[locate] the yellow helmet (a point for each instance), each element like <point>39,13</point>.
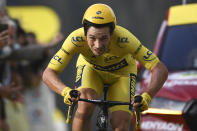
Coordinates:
<point>99,14</point>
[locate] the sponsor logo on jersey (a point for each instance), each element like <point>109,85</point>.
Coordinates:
<point>148,57</point>
<point>58,58</point>
<point>77,39</point>
<point>113,67</point>
<point>122,40</point>
<point>110,58</point>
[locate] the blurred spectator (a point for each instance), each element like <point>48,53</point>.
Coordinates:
<point>3,34</point>
<point>11,92</point>
<point>13,118</point>
<point>31,38</point>
<point>11,41</point>
<point>22,59</point>
<point>3,42</point>
<point>2,8</point>
<point>41,117</point>
<point>21,35</point>
<point>15,114</point>
<point>3,38</point>
<point>32,57</point>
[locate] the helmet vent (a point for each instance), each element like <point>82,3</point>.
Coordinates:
<point>98,12</point>
<point>97,17</point>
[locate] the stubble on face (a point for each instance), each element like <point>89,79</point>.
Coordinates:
<point>98,39</point>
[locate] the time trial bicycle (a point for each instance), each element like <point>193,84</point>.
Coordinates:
<point>103,104</point>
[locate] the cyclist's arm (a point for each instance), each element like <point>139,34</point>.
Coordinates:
<point>57,64</point>
<point>159,71</point>
<point>51,79</point>
<point>151,62</point>
<point>159,76</point>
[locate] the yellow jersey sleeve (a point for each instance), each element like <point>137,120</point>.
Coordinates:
<point>71,46</point>
<point>147,58</point>
<point>133,46</point>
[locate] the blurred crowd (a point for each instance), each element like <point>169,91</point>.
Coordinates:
<point>23,96</point>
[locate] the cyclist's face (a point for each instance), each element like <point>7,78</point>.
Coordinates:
<point>98,39</point>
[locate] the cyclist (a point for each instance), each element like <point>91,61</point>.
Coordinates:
<point>107,55</point>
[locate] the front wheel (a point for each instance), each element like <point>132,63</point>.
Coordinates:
<point>102,122</point>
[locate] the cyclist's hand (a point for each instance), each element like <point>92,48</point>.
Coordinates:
<point>70,95</point>
<point>143,103</point>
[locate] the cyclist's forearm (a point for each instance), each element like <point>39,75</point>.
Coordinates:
<point>50,77</point>
<point>159,76</point>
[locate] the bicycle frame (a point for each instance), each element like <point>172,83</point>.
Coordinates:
<point>102,118</point>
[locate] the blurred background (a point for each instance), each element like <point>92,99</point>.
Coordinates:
<point>141,17</point>
<point>47,18</point>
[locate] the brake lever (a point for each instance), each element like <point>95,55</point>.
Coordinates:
<point>70,112</point>
<point>138,118</point>
<point>138,99</point>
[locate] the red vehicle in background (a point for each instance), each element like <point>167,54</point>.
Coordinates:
<point>175,106</point>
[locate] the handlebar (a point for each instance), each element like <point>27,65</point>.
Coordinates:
<point>109,104</point>
<point>103,102</point>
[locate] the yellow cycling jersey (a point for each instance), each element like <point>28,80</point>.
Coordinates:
<point>120,58</point>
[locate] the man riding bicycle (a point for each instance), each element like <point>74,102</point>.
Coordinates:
<point>107,55</point>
